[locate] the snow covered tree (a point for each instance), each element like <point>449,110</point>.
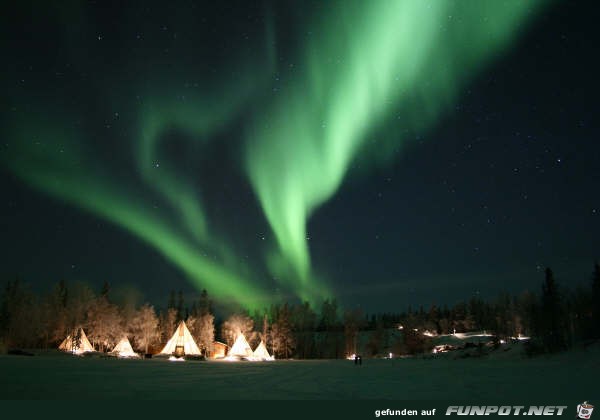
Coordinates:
<point>236,324</point>
<point>282,339</point>
<point>104,323</point>
<point>145,327</point>
<point>202,328</point>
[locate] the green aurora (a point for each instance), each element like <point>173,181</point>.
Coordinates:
<point>367,64</point>
<point>368,71</point>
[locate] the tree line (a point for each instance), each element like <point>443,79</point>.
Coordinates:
<point>555,318</point>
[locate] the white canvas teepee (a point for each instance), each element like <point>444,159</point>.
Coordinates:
<point>240,348</point>
<point>182,343</point>
<point>261,353</point>
<point>124,349</point>
<point>70,346</point>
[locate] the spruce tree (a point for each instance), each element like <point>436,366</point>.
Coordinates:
<point>552,323</point>
<point>171,304</point>
<point>180,310</point>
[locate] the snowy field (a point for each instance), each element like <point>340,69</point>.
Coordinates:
<point>502,375</point>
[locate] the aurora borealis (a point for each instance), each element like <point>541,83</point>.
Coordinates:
<point>231,139</point>
<point>390,56</point>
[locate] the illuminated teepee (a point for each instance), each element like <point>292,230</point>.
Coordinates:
<point>261,353</point>
<point>75,347</point>
<point>124,349</point>
<point>240,348</point>
<point>182,343</point>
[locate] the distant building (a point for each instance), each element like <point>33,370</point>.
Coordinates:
<point>219,350</point>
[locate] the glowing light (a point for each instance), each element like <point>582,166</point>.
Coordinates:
<point>369,62</point>
<point>67,176</point>
<point>367,65</point>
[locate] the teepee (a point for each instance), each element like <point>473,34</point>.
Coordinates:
<point>261,353</point>
<point>124,349</point>
<point>69,345</point>
<point>240,348</point>
<point>182,343</point>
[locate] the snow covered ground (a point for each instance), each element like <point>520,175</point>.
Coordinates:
<point>500,375</point>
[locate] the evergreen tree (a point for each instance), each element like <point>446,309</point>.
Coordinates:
<point>171,303</point>
<point>105,290</point>
<point>201,323</point>
<point>205,304</point>
<point>281,331</point>
<point>527,308</point>
<point>19,320</point>
<point>180,309</point>
<point>304,323</point>
<point>552,327</point>
<point>56,315</point>
<point>432,323</point>
<point>353,322</point>
<point>167,324</point>
<point>331,346</point>
<point>375,343</point>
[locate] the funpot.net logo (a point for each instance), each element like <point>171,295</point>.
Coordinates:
<point>584,410</point>
<point>506,410</point>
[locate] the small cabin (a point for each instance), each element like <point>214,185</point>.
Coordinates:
<point>219,350</point>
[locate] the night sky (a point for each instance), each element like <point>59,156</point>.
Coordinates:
<point>386,153</point>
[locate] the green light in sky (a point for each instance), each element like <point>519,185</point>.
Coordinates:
<point>380,66</point>
<point>392,62</point>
